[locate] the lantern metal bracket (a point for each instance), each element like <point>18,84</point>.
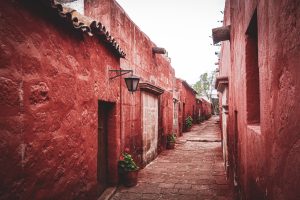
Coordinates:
<point>121,72</point>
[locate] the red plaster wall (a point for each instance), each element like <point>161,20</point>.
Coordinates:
<point>51,87</point>
<point>268,158</point>
<point>50,81</point>
<point>187,102</point>
<point>224,70</point>
<point>206,109</point>
<point>153,68</point>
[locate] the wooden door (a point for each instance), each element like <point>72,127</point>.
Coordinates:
<point>150,126</point>
<point>104,111</point>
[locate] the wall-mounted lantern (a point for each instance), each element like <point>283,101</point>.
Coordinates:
<point>132,81</point>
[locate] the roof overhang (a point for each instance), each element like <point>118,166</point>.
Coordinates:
<point>85,24</point>
<point>221,34</point>
<point>151,88</point>
<point>221,83</point>
<point>189,87</point>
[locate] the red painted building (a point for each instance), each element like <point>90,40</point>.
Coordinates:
<point>62,114</point>
<point>64,122</point>
<point>152,107</point>
<point>203,110</point>
<point>54,88</point>
<point>258,88</point>
<point>186,104</point>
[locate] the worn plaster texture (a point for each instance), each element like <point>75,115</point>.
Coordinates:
<point>264,156</point>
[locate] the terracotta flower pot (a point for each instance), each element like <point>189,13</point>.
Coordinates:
<point>170,145</point>
<point>130,178</point>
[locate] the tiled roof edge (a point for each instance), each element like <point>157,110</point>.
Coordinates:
<point>85,25</point>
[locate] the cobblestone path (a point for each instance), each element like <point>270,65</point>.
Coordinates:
<point>193,170</point>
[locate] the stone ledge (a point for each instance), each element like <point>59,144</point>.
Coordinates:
<point>254,128</point>
<point>151,88</point>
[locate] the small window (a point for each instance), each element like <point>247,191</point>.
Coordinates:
<point>252,72</point>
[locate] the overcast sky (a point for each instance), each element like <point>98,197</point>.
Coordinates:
<point>183,28</point>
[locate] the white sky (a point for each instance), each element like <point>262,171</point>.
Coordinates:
<point>183,28</point>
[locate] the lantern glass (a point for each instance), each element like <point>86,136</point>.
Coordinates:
<point>132,83</point>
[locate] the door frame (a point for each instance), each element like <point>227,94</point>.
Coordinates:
<point>110,128</point>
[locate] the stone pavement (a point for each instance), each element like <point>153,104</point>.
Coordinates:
<point>193,170</point>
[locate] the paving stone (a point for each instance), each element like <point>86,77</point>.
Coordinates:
<point>194,170</point>
<point>151,196</point>
<point>187,191</point>
<point>206,181</point>
<point>172,196</point>
<point>220,180</point>
<point>220,187</point>
<point>127,196</point>
<point>183,186</point>
<point>200,187</point>
<point>166,185</point>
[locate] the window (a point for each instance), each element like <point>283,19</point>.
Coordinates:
<point>252,73</point>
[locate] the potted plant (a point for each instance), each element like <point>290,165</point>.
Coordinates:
<point>128,170</point>
<point>171,138</point>
<point>188,122</point>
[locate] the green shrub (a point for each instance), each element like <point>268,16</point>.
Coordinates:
<point>171,137</point>
<point>188,122</point>
<point>126,162</point>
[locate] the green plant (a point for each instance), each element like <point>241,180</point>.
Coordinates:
<point>171,137</point>
<point>189,122</point>
<point>126,162</point>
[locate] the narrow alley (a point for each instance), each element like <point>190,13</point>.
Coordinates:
<point>193,170</point>
<point>94,93</point>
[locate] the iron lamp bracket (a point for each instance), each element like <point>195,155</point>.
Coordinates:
<point>120,72</point>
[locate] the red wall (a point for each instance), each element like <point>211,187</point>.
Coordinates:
<point>50,81</point>
<point>152,68</point>
<point>187,103</point>
<point>267,154</point>
<point>206,108</point>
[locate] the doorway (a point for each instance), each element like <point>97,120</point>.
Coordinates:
<point>105,114</point>
<point>224,100</point>
<point>150,126</point>
<point>236,176</point>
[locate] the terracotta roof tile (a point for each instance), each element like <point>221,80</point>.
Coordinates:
<point>86,25</point>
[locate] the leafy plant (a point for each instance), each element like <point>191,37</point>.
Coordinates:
<point>189,122</point>
<point>171,137</point>
<point>126,162</point>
